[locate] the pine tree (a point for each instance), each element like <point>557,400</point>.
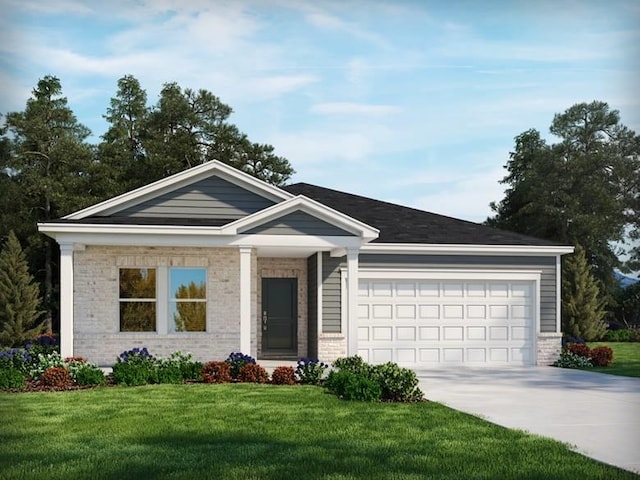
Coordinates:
<point>19,297</point>
<point>582,306</point>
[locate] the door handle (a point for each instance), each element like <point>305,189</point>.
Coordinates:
<point>264,321</point>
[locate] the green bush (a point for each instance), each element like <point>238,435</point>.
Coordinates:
<point>88,374</point>
<point>11,378</point>
<point>135,367</point>
<point>571,360</point>
<point>310,371</point>
<point>397,384</point>
<point>189,368</point>
<point>169,372</point>
<point>354,364</point>
<point>623,335</point>
<point>353,386</point>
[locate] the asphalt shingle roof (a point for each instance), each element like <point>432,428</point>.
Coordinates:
<point>399,224</point>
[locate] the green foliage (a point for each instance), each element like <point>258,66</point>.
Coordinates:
<point>253,373</point>
<point>353,386</point>
<point>310,371</point>
<point>11,378</point>
<point>20,316</point>
<point>571,360</point>
<point>168,372</point>
<point>283,375</point>
<point>353,364</point>
<point>189,368</point>
<point>583,189</point>
<point>627,311</point>
<point>397,384</point>
<point>583,309</point>
<point>623,335</point>
<point>88,374</point>
<point>135,367</point>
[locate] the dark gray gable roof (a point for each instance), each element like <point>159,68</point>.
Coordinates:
<point>398,224</point>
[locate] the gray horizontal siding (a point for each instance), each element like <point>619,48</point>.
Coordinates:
<point>212,197</point>
<point>298,223</point>
<point>547,265</point>
<point>331,300</point>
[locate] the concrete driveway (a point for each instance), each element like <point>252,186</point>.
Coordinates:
<point>598,414</point>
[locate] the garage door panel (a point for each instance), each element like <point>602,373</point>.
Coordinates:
<point>446,322</point>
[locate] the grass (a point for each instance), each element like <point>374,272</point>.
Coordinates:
<point>264,432</point>
<point>626,358</point>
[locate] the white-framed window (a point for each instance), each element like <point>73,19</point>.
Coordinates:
<point>138,300</point>
<point>187,299</point>
<point>163,300</point>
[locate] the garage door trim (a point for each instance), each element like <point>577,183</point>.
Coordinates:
<point>368,273</point>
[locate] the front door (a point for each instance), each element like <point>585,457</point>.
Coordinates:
<point>279,316</point>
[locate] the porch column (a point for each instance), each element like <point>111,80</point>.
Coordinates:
<point>352,301</point>
<point>245,301</point>
<point>66,300</point>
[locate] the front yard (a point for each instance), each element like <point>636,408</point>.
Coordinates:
<point>245,431</point>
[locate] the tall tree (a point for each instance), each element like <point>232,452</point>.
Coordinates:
<point>19,297</point>
<point>583,309</point>
<point>580,190</point>
<point>49,162</point>
<point>184,129</point>
<point>121,153</point>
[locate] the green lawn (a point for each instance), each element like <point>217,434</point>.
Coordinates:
<point>264,432</point>
<point>626,359</point>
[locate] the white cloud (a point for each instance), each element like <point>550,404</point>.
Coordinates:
<point>349,108</point>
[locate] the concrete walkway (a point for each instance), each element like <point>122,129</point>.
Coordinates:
<point>598,414</point>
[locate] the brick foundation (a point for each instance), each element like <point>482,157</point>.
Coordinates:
<point>549,348</point>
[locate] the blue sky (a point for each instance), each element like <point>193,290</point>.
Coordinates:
<point>414,102</point>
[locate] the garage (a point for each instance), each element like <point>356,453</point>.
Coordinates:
<point>426,319</point>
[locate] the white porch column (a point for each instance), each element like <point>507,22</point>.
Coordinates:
<point>245,301</point>
<point>66,300</point>
<point>352,301</point>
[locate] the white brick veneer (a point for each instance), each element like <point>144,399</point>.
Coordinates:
<point>96,311</point>
<point>331,346</point>
<point>549,348</point>
<point>285,268</point>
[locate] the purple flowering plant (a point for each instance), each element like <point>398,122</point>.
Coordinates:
<point>15,358</point>
<point>237,360</point>
<point>136,355</point>
<point>310,370</point>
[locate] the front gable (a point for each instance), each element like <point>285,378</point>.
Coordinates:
<point>212,198</point>
<point>298,223</point>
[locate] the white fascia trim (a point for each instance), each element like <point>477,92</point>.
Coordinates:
<point>190,237</point>
<point>459,249</point>
<point>313,208</point>
<point>447,274</point>
<point>178,180</point>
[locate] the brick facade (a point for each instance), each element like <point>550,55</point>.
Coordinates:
<point>96,311</point>
<point>549,348</point>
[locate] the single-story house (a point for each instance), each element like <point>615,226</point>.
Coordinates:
<point>212,260</point>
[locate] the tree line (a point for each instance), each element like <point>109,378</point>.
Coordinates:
<point>583,190</point>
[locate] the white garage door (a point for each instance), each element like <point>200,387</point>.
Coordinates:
<point>427,322</point>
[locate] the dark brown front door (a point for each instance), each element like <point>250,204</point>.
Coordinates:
<point>279,316</point>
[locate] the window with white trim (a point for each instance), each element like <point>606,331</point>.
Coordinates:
<point>187,299</point>
<point>138,299</point>
<point>163,300</point>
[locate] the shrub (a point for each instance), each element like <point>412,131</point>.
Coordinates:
<point>571,360</point>
<point>283,376</point>
<point>397,384</point>
<point>43,344</point>
<point>353,386</point>
<point>580,349</point>
<point>566,340</point>
<point>88,374</point>
<point>623,335</point>
<point>309,371</point>
<point>601,356</point>
<point>354,364</point>
<point>253,373</point>
<point>16,358</point>
<point>135,367</point>
<point>44,361</point>
<point>56,377</point>
<point>237,360</point>
<point>216,372</point>
<point>168,371</point>
<point>189,368</point>
<point>11,378</point>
